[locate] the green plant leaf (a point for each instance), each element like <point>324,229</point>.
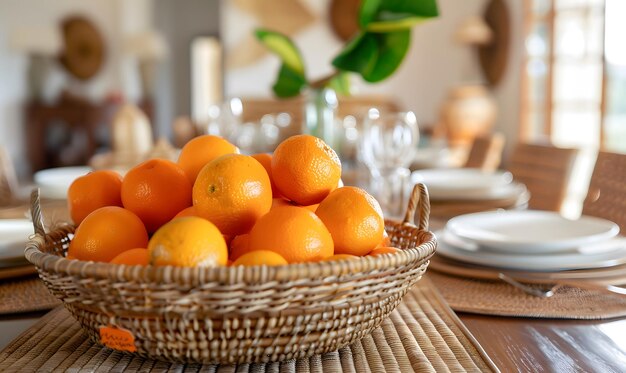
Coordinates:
<point>374,55</point>
<point>341,83</point>
<point>367,11</point>
<point>289,83</point>
<point>397,23</point>
<point>283,47</point>
<point>420,8</point>
<point>359,55</point>
<point>392,47</point>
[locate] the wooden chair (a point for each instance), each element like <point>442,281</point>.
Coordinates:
<point>255,108</point>
<point>606,197</point>
<point>486,152</point>
<point>546,172</point>
<point>8,180</point>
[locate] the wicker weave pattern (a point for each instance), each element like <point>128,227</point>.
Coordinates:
<point>238,314</point>
<point>606,191</point>
<point>420,335</point>
<point>546,172</point>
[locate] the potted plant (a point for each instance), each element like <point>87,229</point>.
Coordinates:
<point>374,53</point>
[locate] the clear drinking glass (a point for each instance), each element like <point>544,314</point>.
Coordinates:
<point>231,117</point>
<point>225,119</point>
<point>387,147</point>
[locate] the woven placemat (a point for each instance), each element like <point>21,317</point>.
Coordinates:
<point>54,210</point>
<point>17,272</point>
<point>422,334</point>
<point>499,298</point>
<point>25,294</point>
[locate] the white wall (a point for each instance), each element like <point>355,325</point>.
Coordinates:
<point>112,17</point>
<point>433,65</point>
<point>180,21</point>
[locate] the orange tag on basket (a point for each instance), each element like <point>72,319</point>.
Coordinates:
<point>117,338</point>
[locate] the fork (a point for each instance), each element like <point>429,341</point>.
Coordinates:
<point>537,292</point>
<point>549,292</point>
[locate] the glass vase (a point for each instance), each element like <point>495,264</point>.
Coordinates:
<point>319,115</point>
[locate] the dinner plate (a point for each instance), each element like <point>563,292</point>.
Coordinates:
<point>431,157</point>
<point>461,182</point>
<point>529,262</point>
<point>524,231</point>
<point>54,182</point>
<point>509,191</point>
<point>14,235</point>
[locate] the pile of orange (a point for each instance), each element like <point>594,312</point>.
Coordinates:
<point>216,207</point>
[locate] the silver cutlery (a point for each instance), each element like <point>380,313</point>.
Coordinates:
<point>551,288</point>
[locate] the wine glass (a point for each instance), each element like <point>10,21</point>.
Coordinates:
<point>225,119</point>
<point>231,117</point>
<point>387,147</point>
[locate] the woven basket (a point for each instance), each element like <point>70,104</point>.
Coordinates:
<point>236,314</point>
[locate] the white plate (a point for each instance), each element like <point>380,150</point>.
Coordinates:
<point>524,230</point>
<point>432,157</point>
<point>461,182</point>
<point>541,262</point>
<point>14,235</point>
<point>591,248</point>
<point>54,182</point>
<point>506,191</point>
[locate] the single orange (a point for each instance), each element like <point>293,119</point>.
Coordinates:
<point>354,219</point>
<point>266,161</point>
<point>133,257</point>
<point>232,192</point>
<point>305,169</point>
<point>188,242</point>
<point>340,257</point>
<point>384,250</point>
<point>260,257</point>
<point>386,241</point>
<point>277,202</point>
<point>156,190</point>
<point>92,191</point>
<point>189,211</point>
<point>239,246</point>
<point>228,239</point>
<point>295,233</point>
<point>107,232</point>
<point>312,208</point>
<point>201,150</point>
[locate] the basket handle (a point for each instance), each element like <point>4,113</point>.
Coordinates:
<point>419,201</point>
<point>35,212</point>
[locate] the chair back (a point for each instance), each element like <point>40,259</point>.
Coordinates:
<point>255,108</point>
<point>607,190</point>
<point>486,152</point>
<point>546,171</point>
<point>8,180</point>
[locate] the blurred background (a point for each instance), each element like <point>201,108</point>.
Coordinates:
<point>74,72</point>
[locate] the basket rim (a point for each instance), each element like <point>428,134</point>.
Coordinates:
<point>228,274</point>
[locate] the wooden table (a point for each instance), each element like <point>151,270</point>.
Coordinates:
<point>514,344</point>
<point>548,345</point>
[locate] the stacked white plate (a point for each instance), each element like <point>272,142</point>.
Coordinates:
<point>14,234</point>
<point>531,240</point>
<point>54,182</point>
<point>468,184</point>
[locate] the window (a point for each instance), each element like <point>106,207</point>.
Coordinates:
<point>574,85</point>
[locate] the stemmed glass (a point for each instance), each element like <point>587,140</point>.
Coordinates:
<point>387,147</point>
<point>225,119</point>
